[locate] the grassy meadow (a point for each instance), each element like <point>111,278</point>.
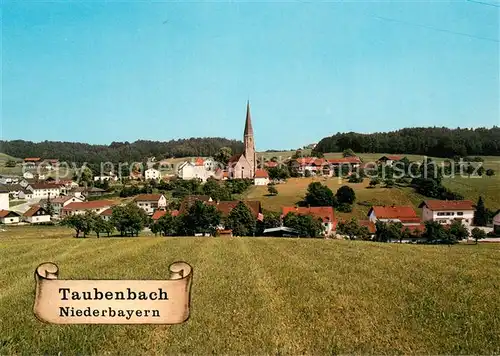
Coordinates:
<point>266,296</point>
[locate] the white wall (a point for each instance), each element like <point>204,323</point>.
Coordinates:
<point>4,201</point>
<point>261,181</point>
<point>10,220</point>
<point>38,219</point>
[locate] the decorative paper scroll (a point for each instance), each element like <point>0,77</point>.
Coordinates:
<point>62,301</point>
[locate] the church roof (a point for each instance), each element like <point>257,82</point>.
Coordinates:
<point>248,122</point>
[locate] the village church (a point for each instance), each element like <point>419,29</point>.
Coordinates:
<point>243,165</point>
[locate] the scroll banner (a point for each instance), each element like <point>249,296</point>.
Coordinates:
<point>60,301</point>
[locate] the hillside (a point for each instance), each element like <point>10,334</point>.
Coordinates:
<point>268,296</point>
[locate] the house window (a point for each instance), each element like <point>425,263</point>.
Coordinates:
<point>440,214</point>
<point>460,213</point>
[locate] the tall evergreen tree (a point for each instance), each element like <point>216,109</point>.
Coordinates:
<point>481,214</point>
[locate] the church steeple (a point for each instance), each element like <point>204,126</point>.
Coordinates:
<point>249,144</point>
<point>248,122</point>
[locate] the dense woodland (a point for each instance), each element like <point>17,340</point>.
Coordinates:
<point>430,141</point>
<point>118,151</point>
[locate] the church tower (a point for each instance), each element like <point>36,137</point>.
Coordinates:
<point>249,143</point>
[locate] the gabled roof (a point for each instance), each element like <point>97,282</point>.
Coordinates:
<point>95,204</point>
<point>199,162</point>
<point>148,197</point>
<point>8,213</point>
<point>225,207</point>
<point>45,186</point>
<point>325,213</point>
<point>189,200</point>
<point>107,212</point>
<point>261,173</point>
<point>369,224</point>
<point>33,210</point>
<point>393,212</point>
<point>159,213</point>
<point>390,157</point>
<point>235,158</point>
<point>436,205</point>
<point>32,159</point>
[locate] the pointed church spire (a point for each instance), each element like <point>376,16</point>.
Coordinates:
<point>248,122</point>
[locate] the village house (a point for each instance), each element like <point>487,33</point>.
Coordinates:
<point>447,211</point>
<point>159,213</point>
<point>325,213</point>
<point>31,162</point>
<point>152,173</point>
<point>389,160</point>
<point>25,194</point>
<point>194,170</point>
<point>151,202</point>
<point>78,208</point>
<point>109,176</point>
<point>28,175</point>
<point>60,202</point>
<point>106,214</point>
<point>189,201</point>
<point>13,189</point>
<point>9,217</point>
<point>44,190</point>
<point>9,179</point>
<point>403,214</point>
<point>36,214</point>
<point>225,208</point>
<point>261,177</point>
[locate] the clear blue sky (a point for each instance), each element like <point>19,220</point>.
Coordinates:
<point>99,72</point>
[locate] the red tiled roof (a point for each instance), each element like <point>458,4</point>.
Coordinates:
<point>199,162</point>
<point>32,211</point>
<point>410,220</point>
<point>4,213</point>
<point>62,199</point>
<point>175,213</point>
<point>326,213</point>
<point>107,212</point>
<point>271,164</point>
<point>95,204</point>
<point>148,197</point>
<point>436,205</point>
<point>393,212</point>
<point>392,158</point>
<point>159,213</point>
<point>261,173</point>
<point>32,159</point>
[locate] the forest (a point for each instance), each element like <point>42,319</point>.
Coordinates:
<point>429,141</point>
<point>118,151</point>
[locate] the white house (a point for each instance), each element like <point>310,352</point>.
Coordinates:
<point>44,190</point>
<point>192,170</point>
<point>78,208</point>
<point>447,211</point>
<point>261,177</point>
<point>325,213</point>
<point>106,176</point>
<point>28,175</point>
<point>36,214</point>
<point>389,160</point>
<point>25,194</point>
<point>210,164</point>
<point>403,214</point>
<point>9,217</point>
<point>4,199</point>
<point>151,202</point>
<point>60,202</point>
<point>152,173</point>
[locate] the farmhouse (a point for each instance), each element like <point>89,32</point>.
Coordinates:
<point>261,177</point>
<point>403,214</point>
<point>151,202</point>
<point>325,213</point>
<point>13,189</point>
<point>77,208</point>
<point>110,176</point>
<point>194,170</point>
<point>31,162</point>
<point>36,214</point>
<point>44,190</point>
<point>106,214</point>
<point>152,173</point>
<point>60,202</point>
<point>389,160</point>
<point>447,211</point>
<point>9,217</point>
<point>159,213</point>
<point>225,207</point>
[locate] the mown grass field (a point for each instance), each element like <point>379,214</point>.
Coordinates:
<point>267,296</point>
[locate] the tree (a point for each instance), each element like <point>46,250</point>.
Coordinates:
<point>168,225</point>
<point>271,219</point>
<point>102,226</point>
<point>223,155</point>
<point>355,178</point>
<point>490,172</point>
<point>389,183</point>
<point>374,182</point>
<point>49,207</point>
<point>319,195</point>
<point>435,233</point>
<point>306,225</point>
<point>241,221</point>
<point>201,218</point>
<point>348,153</point>
<point>278,173</point>
<point>307,173</point>
<point>387,232</point>
<point>458,230</point>
<point>216,191</point>
<point>10,163</point>
<point>481,214</point>
<point>478,234</point>
<point>297,154</point>
<point>129,220</point>
<point>345,194</point>
<point>271,188</point>
<point>81,223</point>
<point>353,230</point>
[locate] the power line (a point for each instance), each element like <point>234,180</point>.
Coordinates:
<point>484,3</point>
<point>437,29</point>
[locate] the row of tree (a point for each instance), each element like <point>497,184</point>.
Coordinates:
<point>430,141</point>
<point>320,195</point>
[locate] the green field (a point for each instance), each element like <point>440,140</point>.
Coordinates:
<point>267,296</point>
